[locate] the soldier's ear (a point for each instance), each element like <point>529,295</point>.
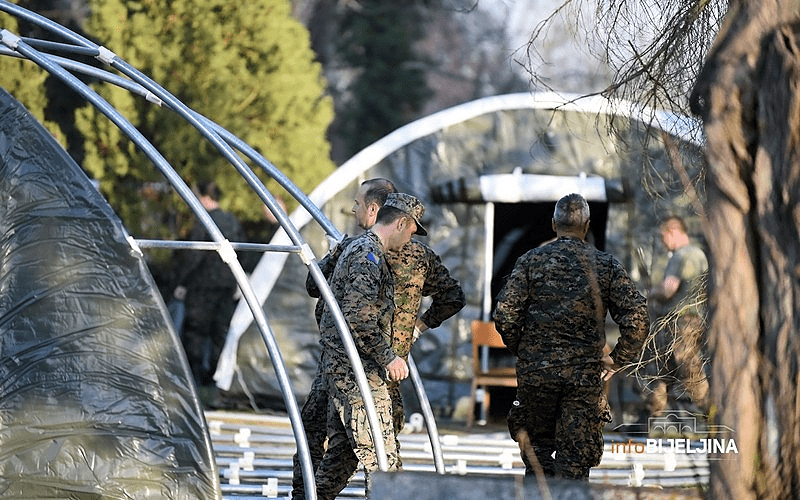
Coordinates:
<point>404,223</point>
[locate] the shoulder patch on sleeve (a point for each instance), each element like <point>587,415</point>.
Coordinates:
<point>374,258</point>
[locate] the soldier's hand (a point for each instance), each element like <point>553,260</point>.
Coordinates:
<point>398,369</point>
<point>609,369</point>
<point>607,374</point>
<point>333,243</point>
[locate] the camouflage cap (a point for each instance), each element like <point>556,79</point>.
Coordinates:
<point>411,206</point>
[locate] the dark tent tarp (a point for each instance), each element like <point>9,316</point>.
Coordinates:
<point>95,392</point>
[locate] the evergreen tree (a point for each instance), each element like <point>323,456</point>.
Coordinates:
<point>246,65</point>
<point>391,88</point>
<point>26,81</point>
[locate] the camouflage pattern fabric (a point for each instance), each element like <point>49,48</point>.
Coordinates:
<point>398,410</point>
<point>564,412</point>
<point>551,314</point>
<point>418,272</point>
<point>326,265</point>
<point>347,406</point>
<point>551,311</point>
<point>411,206</point>
<point>322,420</point>
<point>349,444</point>
<point>363,286</point>
<point>314,415</point>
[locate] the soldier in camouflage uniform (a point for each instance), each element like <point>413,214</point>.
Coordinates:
<point>418,272</point>
<point>364,288</point>
<point>551,314</point>
<point>369,199</point>
<point>207,286</point>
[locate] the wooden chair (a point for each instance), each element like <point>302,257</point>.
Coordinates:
<point>485,334</point>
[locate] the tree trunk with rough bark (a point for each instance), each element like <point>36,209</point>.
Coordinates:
<point>748,96</point>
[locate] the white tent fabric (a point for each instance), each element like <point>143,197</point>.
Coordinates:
<point>517,187</point>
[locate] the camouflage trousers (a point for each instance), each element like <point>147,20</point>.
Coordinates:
<point>349,433</point>
<point>563,415</point>
<point>398,412</point>
<point>314,415</point>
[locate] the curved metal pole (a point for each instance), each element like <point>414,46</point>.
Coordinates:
<point>225,251</point>
<point>199,123</point>
<point>87,47</point>
<point>155,93</point>
<point>306,254</point>
<point>430,421</point>
<point>317,275</point>
<point>13,42</point>
<point>280,177</point>
<point>286,224</point>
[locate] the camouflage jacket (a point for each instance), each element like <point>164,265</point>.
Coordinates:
<point>419,272</point>
<point>551,311</point>
<point>363,286</point>
<point>326,265</point>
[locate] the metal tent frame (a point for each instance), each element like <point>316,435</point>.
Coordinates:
<point>230,146</point>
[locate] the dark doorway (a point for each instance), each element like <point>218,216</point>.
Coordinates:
<point>518,227</point>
